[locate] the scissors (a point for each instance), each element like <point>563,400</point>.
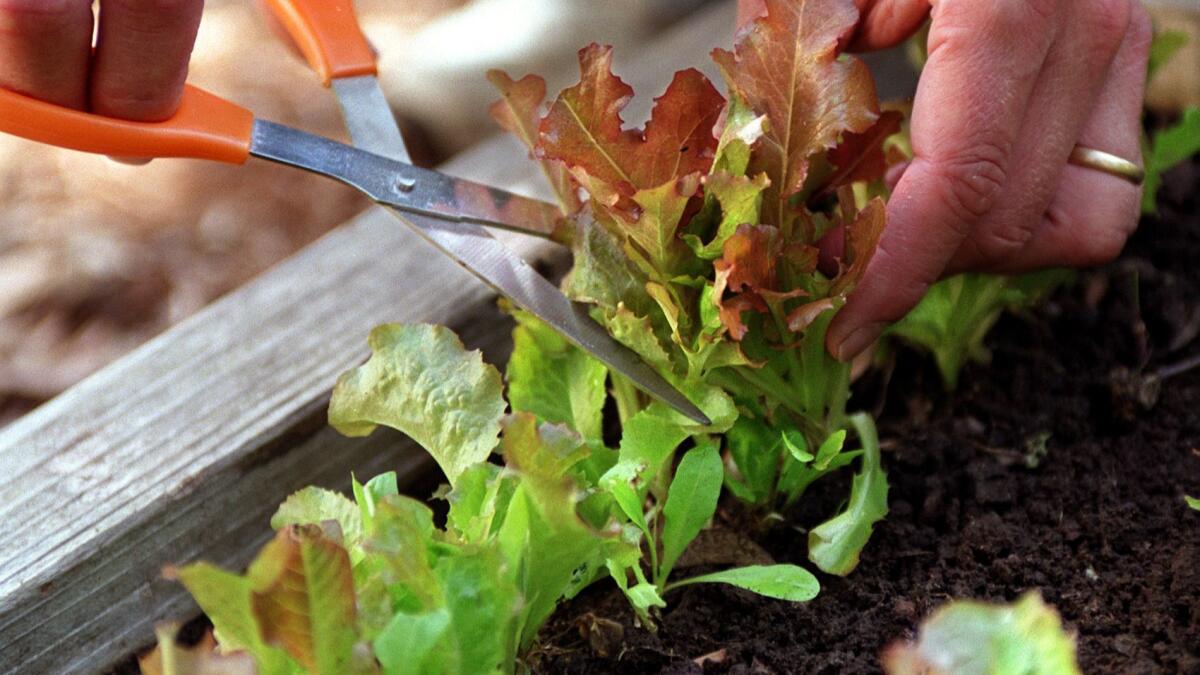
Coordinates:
<point>450,213</point>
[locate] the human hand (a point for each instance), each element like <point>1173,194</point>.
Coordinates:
<point>1009,89</point>
<point>140,62</point>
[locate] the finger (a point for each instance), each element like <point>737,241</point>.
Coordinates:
<point>44,49</point>
<point>886,23</point>
<point>142,55</point>
<point>1062,100</point>
<point>984,59</point>
<point>1093,213</point>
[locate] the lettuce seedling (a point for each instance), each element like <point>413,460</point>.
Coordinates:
<point>956,315</point>
<point>1192,502</point>
<point>972,638</point>
<point>699,244</point>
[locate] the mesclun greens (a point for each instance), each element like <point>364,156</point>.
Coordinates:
<point>699,246</point>
<point>972,638</point>
<point>373,585</point>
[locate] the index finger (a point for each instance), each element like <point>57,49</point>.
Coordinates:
<point>984,59</point>
<point>142,53</point>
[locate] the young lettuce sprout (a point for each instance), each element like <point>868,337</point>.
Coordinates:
<point>972,638</point>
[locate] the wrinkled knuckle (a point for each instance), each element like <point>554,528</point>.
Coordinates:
<point>1004,241</point>
<point>995,15</point>
<point>974,179</point>
<point>908,289</point>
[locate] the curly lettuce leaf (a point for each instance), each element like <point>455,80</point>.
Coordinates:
<point>956,315</point>
<point>973,638</point>
<point>835,545</point>
<point>740,199</point>
<point>545,540</point>
<point>519,112</point>
<point>225,598</point>
<point>584,130</point>
<point>422,381</point>
<point>860,157</point>
<point>314,505</point>
<point>786,65</point>
<point>741,131</point>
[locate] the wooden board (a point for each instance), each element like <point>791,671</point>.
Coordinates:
<point>183,449</point>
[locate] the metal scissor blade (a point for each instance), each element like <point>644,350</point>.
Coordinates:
<point>467,243</point>
<point>368,117</point>
<point>495,264</point>
<point>404,186</point>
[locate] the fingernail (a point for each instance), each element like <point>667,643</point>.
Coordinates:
<point>859,339</point>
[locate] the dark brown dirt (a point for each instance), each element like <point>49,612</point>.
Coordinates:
<point>1099,525</point>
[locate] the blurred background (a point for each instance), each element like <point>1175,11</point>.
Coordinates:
<point>97,257</point>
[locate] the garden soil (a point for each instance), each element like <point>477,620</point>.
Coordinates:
<point>1062,466</point>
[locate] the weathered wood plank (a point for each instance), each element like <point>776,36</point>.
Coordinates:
<point>183,449</point>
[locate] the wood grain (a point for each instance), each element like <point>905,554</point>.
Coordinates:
<point>183,449</point>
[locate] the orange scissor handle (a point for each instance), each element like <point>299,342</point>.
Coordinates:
<point>328,34</point>
<point>205,127</point>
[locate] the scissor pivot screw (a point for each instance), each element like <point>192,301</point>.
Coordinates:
<point>404,185</point>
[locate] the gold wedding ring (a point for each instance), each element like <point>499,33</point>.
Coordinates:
<point>1091,158</point>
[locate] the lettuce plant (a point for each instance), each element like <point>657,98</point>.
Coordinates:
<point>955,316</point>
<point>973,638</point>
<point>699,245</point>
<point>374,584</point>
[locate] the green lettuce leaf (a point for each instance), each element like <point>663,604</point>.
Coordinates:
<point>225,598</point>
<point>835,545</point>
<point>782,582</point>
<point>1168,148</point>
<point>303,598</point>
<point>691,503</point>
<point>314,505</point>
<point>421,381</point>
<point>410,642</point>
<point>544,539</point>
<point>973,638</point>
<point>554,379</point>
